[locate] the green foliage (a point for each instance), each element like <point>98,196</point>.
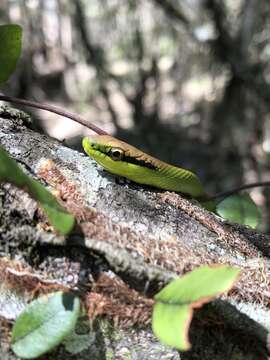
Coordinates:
<point>44,324</point>
<point>57,215</point>
<point>10,49</point>
<point>240,209</point>
<point>174,305</point>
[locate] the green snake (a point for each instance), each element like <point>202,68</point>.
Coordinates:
<point>122,159</point>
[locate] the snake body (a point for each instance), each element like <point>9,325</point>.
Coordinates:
<point>125,160</point>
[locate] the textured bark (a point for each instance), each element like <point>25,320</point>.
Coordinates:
<point>130,241</point>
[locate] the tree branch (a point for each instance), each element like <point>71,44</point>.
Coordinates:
<point>143,236</point>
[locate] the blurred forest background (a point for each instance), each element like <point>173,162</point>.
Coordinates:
<point>187,81</point>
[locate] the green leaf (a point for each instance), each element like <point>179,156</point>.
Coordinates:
<point>57,215</point>
<point>44,324</point>
<point>10,49</point>
<point>240,209</point>
<point>174,305</point>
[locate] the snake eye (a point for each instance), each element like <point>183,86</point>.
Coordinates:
<point>117,154</point>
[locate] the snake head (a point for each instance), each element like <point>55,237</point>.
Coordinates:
<point>100,146</point>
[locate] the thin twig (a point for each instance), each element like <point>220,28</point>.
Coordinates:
<point>55,110</point>
<point>239,188</point>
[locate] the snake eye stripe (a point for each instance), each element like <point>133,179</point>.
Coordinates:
<point>135,161</point>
